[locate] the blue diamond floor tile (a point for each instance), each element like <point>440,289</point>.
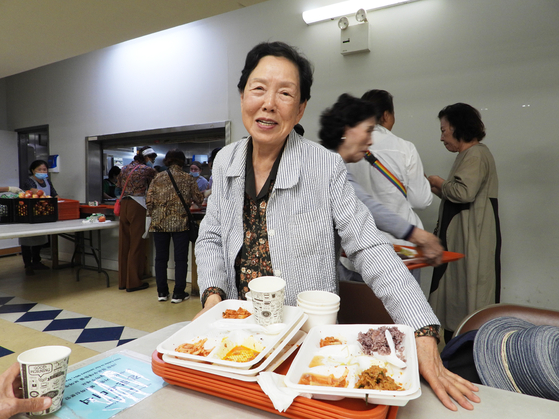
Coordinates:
<point>4,351</point>
<point>66,324</point>
<point>17,308</point>
<point>92,333</point>
<point>4,300</point>
<point>39,315</point>
<point>100,334</point>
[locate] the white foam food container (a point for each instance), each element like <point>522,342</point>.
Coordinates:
<point>276,358</point>
<point>337,359</point>
<point>201,328</point>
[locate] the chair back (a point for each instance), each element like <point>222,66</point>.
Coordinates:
<point>360,305</point>
<point>537,316</point>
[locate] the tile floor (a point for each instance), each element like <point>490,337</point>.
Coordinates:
<point>52,308</point>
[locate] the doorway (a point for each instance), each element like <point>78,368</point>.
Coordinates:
<point>33,144</point>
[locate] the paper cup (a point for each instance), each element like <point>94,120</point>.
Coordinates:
<point>319,318</point>
<point>268,293</point>
<point>43,374</point>
<point>318,298</point>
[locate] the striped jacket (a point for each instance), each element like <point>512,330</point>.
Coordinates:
<point>311,211</point>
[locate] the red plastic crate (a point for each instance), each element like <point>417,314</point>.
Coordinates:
<point>68,209</point>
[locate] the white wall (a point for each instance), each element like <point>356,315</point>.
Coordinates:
<point>499,56</point>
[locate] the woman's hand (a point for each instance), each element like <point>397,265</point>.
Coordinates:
<point>429,244</point>
<point>444,383</point>
<point>436,183</point>
<point>10,393</point>
<point>211,301</point>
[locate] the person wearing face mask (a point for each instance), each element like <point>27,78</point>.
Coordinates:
<point>134,180</point>
<point>196,170</point>
<point>31,246</point>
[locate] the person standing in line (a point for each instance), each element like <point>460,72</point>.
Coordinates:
<point>31,246</point>
<point>169,220</point>
<point>196,171</point>
<point>393,173</point>
<point>468,221</point>
<point>134,180</point>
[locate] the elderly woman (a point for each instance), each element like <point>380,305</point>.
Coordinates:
<point>281,205</point>
<point>468,220</point>
<point>169,220</point>
<point>346,128</point>
<point>133,181</point>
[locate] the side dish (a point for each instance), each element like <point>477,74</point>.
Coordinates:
<point>240,313</point>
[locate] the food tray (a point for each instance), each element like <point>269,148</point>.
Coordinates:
<point>68,209</point>
<point>202,328</point>
<point>250,394</point>
<point>407,377</point>
<point>281,352</point>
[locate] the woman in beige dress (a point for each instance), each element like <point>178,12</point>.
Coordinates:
<point>468,221</point>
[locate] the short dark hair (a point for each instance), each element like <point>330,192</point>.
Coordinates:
<point>174,156</point>
<point>140,158</point>
<point>299,129</point>
<point>114,172</point>
<point>213,154</point>
<point>383,100</point>
<point>466,121</point>
<point>279,49</point>
<point>348,111</point>
<point>36,164</point>
<point>197,164</point>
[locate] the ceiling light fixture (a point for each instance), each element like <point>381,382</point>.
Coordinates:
<point>347,8</point>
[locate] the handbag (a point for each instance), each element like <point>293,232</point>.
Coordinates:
<point>193,226</point>
<point>117,203</point>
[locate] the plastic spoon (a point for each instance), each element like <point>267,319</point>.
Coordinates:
<point>392,358</point>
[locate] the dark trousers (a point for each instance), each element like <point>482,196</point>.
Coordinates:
<point>180,243</point>
<point>131,246</point>
<point>31,255</point>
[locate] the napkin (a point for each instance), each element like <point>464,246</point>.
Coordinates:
<point>273,385</point>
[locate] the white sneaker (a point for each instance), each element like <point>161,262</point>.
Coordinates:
<point>179,298</point>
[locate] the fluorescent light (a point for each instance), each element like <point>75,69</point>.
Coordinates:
<point>347,8</point>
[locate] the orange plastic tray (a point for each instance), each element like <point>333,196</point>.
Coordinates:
<point>250,394</point>
<point>447,257</point>
<point>68,209</point>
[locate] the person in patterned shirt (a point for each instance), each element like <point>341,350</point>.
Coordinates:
<point>170,221</point>
<point>134,180</point>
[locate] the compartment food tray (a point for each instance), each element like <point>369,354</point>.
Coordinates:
<point>408,377</point>
<point>201,328</point>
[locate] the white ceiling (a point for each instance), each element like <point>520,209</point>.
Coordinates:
<point>34,33</point>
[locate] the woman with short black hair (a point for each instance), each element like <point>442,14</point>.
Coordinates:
<point>169,220</point>
<point>31,246</point>
<point>468,220</point>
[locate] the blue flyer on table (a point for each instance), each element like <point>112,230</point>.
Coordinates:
<point>103,389</point>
